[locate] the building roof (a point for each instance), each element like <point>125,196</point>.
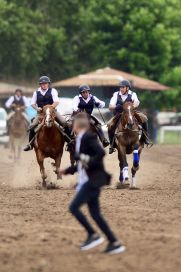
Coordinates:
<point>111,77</point>
<point>7,89</point>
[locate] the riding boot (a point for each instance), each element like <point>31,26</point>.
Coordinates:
<point>69,138</point>
<point>145,136</point>
<point>111,140</point>
<point>102,138</point>
<point>29,146</point>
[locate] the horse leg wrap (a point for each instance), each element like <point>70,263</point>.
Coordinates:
<point>125,173</point>
<point>135,159</point>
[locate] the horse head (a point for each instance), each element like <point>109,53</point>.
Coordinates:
<point>128,119</point>
<point>49,115</point>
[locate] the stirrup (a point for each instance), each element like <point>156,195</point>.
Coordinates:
<point>149,144</point>
<point>28,147</point>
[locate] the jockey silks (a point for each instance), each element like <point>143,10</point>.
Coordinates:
<point>19,102</point>
<point>43,100</point>
<point>121,102</point>
<point>88,107</point>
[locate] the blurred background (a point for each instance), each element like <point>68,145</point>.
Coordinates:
<point>99,43</point>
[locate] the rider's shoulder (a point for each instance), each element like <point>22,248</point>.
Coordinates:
<point>37,90</point>
<point>53,89</point>
<point>131,92</point>
<point>115,93</point>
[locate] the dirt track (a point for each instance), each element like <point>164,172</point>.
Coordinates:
<point>38,234</point>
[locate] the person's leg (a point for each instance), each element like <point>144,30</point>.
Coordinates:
<point>101,135</point>
<point>32,134</point>
<point>67,130</point>
<point>111,132</point>
<point>81,198</point>
<point>94,209</point>
<point>114,246</point>
<point>145,133</point>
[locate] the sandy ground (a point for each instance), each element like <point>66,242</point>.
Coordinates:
<point>37,233</point>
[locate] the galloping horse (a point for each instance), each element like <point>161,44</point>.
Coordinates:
<point>127,140</point>
<point>49,142</point>
<point>17,133</point>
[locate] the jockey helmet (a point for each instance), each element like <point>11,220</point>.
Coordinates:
<point>83,88</point>
<point>125,83</point>
<point>18,91</point>
<point>44,79</point>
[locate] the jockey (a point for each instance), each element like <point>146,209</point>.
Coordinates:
<point>85,101</point>
<point>17,100</point>
<point>45,95</point>
<point>116,105</point>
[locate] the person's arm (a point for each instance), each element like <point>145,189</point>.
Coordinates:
<point>55,98</point>
<point>33,102</point>
<point>9,102</point>
<point>112,104</point>
<point>99,103</point>
<point>75,103</point>
<point>135,99</point>
<point>96,149</point>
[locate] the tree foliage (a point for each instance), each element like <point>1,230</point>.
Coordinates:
<point>64,38</point>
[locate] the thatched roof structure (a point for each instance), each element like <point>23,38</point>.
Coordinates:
<point>111,77</point>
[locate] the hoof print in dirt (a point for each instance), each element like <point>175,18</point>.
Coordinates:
<point>122,185</point>
<point>134,188</point>
<point>52,186</point>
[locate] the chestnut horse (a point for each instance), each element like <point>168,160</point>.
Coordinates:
<point>49,142</point>
<point>17,133</point>
<point>127,138</point>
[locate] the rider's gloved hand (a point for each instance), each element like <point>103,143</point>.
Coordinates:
<point>119,107</point>
<point>97,104</point>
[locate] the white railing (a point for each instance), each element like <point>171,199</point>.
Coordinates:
<point>167,128</point>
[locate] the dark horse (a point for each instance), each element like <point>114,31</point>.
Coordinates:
<point>17,132</point>
<point>49,142</point>
<point>127,138</point>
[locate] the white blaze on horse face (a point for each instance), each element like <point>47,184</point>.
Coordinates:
<point>130,115</point>
<point>48,119</point>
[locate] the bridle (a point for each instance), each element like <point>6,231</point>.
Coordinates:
<point>127,120</point>
<point>49,116</point>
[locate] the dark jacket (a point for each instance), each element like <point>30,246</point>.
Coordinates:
<point>95,167</point>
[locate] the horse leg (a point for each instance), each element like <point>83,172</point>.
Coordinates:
<point>40,159</point>
<point>57,165</point>
<point>123,164</point>
<point>135,167</point>
<point>72,160</point>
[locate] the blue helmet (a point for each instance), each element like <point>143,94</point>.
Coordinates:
<point>83,88</point>
<point>125,83</point>
<point>44,79</point>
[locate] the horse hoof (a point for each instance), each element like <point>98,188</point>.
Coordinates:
<point>44,184</point>
<point>59,177</point>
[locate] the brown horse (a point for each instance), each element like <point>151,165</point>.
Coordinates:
<point>49,142</point>
<point>127,138</point>
<point>17,133</point>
